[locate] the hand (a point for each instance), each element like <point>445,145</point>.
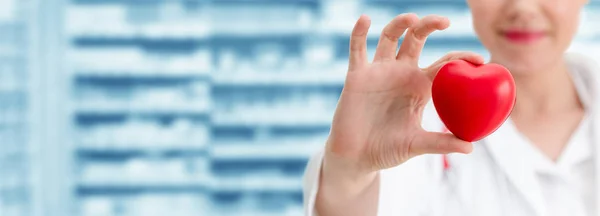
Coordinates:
<point>377,123</point>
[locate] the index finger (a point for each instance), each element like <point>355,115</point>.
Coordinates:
<point>415,38</point>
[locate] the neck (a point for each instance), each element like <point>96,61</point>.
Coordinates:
<point>547,92</point>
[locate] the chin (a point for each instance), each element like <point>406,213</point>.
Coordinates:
<point>524,63</point>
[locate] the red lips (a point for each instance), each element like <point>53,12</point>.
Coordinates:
<point>473,100</point>
<point>523,36</point>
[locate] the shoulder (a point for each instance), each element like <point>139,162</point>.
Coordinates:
<point>582,65</point>
<point>580,58</point>
<point>585,72</point>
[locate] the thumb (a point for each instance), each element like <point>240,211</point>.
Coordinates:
<point>438,143</point>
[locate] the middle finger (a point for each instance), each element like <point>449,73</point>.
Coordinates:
<point>416,36</point>
<point>388,42</point>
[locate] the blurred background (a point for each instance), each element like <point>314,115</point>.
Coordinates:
<point>183,107</point>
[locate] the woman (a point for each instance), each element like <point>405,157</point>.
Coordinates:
<point>387,153</point>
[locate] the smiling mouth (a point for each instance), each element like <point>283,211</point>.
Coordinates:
<point>523,36</point>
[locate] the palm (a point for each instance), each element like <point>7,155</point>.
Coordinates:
<point>382,76</point>
<point>377,121</point>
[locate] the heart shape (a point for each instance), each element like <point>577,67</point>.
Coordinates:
<point>473,101</point>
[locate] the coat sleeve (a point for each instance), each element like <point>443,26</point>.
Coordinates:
<point>405,190</point>
<point>310,183</point>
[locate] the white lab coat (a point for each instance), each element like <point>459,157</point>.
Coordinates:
<point>489,181</point>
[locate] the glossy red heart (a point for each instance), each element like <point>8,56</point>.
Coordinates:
<point>473,101</point>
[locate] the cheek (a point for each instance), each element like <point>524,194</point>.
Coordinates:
<point>484,29</point>
<point>564,15</point>
<point>483,22</point>
<point>566,23</point>
<point>485,14</point>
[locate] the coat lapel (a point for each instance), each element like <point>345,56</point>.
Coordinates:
<point>588,81</point>
<point>502,144</point>
<point>514,163</point>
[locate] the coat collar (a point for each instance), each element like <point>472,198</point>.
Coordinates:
<point>589,78</point>
<point>502,144</point>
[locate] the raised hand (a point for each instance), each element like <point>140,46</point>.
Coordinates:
<point>377,122</point>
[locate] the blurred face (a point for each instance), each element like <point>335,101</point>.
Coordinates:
<point>526,35</point>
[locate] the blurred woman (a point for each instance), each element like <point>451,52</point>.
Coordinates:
<point>387,153</point>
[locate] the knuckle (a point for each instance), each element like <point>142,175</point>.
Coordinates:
<point>388,35</point>
<point>356,34</point>
<point>356,46</point>
<point>454,55</point>
<point>426,28</point>
<point>440,144</point>
<point>419,34</point>
<point>408,144</point>
<point>400,24</point>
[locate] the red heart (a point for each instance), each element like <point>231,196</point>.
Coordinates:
<point>473,101</point>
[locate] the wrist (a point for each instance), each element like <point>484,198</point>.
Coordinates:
<point>345,175</point>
